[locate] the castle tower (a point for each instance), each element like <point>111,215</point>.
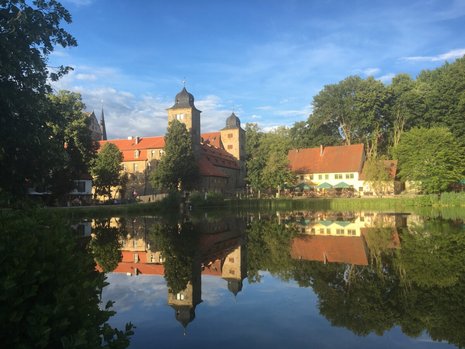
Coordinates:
<point>233,139</point>
<point>185,111</point>
<point>103,127</point>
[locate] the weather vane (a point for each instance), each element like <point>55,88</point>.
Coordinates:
<point>184,82</point>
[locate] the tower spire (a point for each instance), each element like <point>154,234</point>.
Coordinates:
<point>102,126</point>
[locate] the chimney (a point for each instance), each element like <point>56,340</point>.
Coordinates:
<point>321,149</point>
<point>137,138</point>
<point>129,138</point>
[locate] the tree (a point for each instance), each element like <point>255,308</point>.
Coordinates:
<point>376,174</point>
<point>267,163</point>
<point>28,34</point>
<point>50,294</point>
<point>178,166</point>
<point>106,169</point>
<point>431,157</point>
<point>354,108</point>
<point>71,131</point>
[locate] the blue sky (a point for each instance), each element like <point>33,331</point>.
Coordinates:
<point>264,59</point>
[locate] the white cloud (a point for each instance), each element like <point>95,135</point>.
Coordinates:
<point>371,71</point>
<point>90,77</point>
<point>265,107</point>
<point>452,54</point>
<point>386,78</point>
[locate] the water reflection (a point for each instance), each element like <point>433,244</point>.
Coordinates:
<point>371,272</point>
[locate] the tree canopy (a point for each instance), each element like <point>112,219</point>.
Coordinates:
<point>28,34</point>
<point>432,157</point>
<point>178,166</point>
<point>106,169</point>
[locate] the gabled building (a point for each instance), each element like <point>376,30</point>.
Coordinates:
<point>339,167</point>
<point>332,165</point>
<point>220,155</point>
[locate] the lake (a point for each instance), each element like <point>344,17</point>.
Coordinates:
<point>299,279</point>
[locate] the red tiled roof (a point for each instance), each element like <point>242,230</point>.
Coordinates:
<point>389,165</point>
<point>218,157</point>
<point>206,168</point>
<point>346,158</point>
<point>213,138</point>
<point>129,146</point>
<point>332,249</point>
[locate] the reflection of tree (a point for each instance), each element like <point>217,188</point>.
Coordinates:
<point>106,245</point>
<point>419,287</point>
<point>50,288</point>
<point>178,244</point>
<point>268,249</point>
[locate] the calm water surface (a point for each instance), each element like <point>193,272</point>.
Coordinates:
<point>296,279</point>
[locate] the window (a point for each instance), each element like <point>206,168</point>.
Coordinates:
<point>81,186</point>
<point>320,176</point>
<point>230,146</point>
<point>322,230</point>
<point>351,231</point>
<point>340,231</point>
<point>349,176</point>
<point>231,260</point>
<point>338,176</point>
<point>180,116</point>
<point>152,153</point>
<point>311,177</point>
<point>180,296</point>
<point>135,167</point>
<point>136,154</point>
<point>230,135</point>
<point>326,176</point>
<point>328,231</point>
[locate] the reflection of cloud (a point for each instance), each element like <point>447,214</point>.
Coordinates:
<point>129,292</point>
<point>213,290</point>
<point>79,2</point>
<point>452,54</point>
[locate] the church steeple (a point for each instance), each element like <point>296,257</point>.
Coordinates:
<point>102,126</point>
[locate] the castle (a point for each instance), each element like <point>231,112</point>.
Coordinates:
<point>220,155</point>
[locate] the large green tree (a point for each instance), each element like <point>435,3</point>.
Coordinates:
<point>432,157</point>
<point>29,32</point>
<point>178,167</point>
<point>354,107</point>
<point>73,137</point>
<point>267,162</point>
<point>106,169</point>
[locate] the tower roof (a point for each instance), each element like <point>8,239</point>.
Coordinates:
<point>233,121</point>
<point>183,99</point>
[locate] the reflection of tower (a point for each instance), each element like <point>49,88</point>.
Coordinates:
<point>185,301</point>
<point>235,269</point>
<point>185,111</point>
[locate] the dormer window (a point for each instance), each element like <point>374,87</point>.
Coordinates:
<point>136,154</point>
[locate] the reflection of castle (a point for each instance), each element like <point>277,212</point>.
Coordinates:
<point>342,238</point>
<point>221,252</point>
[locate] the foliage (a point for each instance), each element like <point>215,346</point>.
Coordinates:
<point>178,245</point>
<point>268,248</point>
<point>267,162</point>
<point>28,34</point>
<point>50,290</point>
<point>106,169</point>
<point>105,245</point>
<point>430,156</point>
<point>178,166</point>
<point>354,106</point>
<point>70,127</point>
<point>199,199</point>
<point>377,175</point>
